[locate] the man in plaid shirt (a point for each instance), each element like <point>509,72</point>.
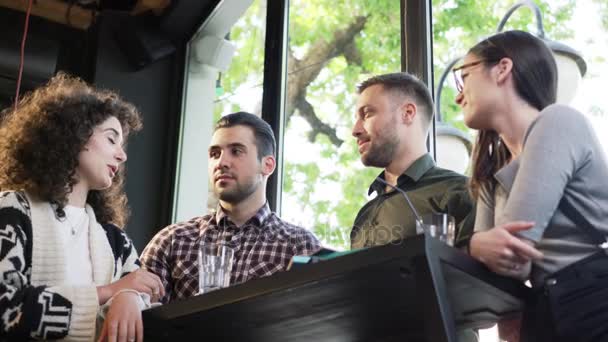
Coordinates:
<point>241,158</point>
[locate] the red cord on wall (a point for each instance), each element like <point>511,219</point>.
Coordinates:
<point>27,21</point>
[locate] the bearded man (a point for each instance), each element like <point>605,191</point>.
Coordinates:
<point>392,120</point>
<point>241,158</point>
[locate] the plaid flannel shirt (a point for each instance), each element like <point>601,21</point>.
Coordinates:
<point>264,245</point>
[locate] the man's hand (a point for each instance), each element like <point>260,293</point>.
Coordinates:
<point>123,321</point>
<point>503,252</point>
<point>139,280</point>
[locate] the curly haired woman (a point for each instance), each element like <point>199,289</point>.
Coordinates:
<point>64,262</point>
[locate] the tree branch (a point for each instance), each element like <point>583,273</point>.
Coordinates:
<point>306,110</point>
<point>352,54</point>
<point>302,72</point>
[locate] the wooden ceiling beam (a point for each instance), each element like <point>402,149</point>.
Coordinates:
<point>156,6</point>
<point>56,11</point>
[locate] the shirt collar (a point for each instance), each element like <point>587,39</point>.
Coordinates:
<point>256,220</point>
<point>412,173</point>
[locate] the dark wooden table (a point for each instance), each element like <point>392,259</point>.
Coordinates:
<point>418,289</point>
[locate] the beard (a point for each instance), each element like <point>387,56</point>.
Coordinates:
<point>237,193</point>
<point>381,151</point>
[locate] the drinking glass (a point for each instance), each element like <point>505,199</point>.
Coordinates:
<point>215,264</point>
<point>438,225</point>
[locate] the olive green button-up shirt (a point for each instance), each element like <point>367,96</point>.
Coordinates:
<point>388,217</point>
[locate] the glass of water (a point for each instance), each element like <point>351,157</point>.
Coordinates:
<point>438,225</point>
<point>215,264</point>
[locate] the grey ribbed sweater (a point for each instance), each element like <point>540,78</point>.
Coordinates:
<point>561,156</point>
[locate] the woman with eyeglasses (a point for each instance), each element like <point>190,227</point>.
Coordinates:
<point>538,177</point>
<point>63,260</point>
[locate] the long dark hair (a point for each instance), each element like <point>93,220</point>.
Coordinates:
<point>535,77</point>
<point>41,139</point>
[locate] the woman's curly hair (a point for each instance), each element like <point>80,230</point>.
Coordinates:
<point>41,139</point>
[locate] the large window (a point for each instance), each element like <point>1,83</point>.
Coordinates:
<point>333,45</point>
<point>224,74</point>
<point>459,25</point>
<point>589,24</point>
<point>240,87</point>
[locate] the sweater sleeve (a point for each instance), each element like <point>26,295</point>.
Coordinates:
<point>555,147</point>
<point>125,255</point>
<point>130,262</point>
<point>126,260</point>
<point>26,311</point>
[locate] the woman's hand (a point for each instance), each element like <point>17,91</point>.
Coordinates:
<point>503,252</point>
<point>123,321</point>
<point>139,280</point>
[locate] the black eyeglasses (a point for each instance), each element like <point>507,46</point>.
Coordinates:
<point>458,73</point>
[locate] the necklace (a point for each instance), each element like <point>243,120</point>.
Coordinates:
<point>76,227</point>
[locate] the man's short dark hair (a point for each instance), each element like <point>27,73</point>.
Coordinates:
<point>406,84</point>
<point>264,137</point>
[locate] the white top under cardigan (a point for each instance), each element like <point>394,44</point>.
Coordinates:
<point>74,235</point>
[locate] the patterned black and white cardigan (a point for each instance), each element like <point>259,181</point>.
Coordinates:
<point>35,302</point>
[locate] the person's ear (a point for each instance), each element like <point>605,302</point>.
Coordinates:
<point>408,112</point>
<point>269,163</point>
<point>503,69</point>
